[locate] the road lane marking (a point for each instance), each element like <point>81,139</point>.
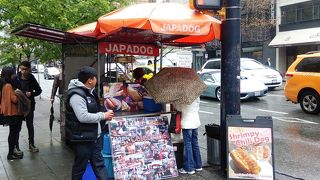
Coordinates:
<point>277,112</point>
<point>206,112</point>
<point>294,120</point>
<point>205,102</point>
<point>278,95</point>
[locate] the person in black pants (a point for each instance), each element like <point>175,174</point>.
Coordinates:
<point>84,122</point>
<point>31,88</point>
<point>9,110</point>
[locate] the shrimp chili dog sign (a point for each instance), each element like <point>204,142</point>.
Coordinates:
<point>132,49</point>
<point>250,152</point>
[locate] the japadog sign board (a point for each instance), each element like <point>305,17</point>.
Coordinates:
<point>250,148</point>
<point>132,49</point>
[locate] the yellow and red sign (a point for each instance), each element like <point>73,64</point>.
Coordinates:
<point>132,49</point>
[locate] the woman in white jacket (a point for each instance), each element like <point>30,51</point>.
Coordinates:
<point>190,122</point>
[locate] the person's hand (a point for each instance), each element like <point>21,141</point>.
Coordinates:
<point>108,115</point>
<point>28,94</point>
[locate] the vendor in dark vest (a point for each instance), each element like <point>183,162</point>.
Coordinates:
<point>84,122</point>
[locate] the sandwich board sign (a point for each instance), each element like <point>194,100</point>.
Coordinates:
<point>250,148</point>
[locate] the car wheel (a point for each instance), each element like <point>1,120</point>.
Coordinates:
<point>218,93</point>
<point>310,102</point>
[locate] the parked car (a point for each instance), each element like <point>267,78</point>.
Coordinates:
<point>37,68</point>
<point>249,88</point>
<point>50,72</point>
<point>303,82</point>
<point>249,68</point>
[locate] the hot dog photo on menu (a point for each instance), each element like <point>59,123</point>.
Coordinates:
<point>250,155</point>
<point>123,97</point>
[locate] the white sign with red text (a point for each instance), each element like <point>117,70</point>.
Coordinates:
<point>250,153</point>
<point>132,49</point>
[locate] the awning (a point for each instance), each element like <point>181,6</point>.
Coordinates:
<point>296,38</point>
<point>37,31</point>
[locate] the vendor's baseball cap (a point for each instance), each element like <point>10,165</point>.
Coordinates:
<point>86,73</point>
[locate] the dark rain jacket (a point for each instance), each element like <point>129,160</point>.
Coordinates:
<point>29,85</point>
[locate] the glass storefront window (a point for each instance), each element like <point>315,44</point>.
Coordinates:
<point>305,14</point>
<point>300,12</point>
<point>291,16</point>
<point>316,12</point>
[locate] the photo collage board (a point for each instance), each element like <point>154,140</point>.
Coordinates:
<point>142,148</point>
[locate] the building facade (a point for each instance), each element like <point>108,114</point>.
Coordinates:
<point>298,30</point>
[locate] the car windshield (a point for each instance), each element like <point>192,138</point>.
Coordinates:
<point>251,65</point>
<point>53,70</point>
<point>217,77</point>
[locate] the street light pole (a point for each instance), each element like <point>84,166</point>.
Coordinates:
<point>230,71</point>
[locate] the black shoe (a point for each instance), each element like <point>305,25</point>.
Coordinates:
<point>33,148</point>
<point>17,151</point>
<point>14,156</point>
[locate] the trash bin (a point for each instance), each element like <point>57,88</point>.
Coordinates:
<point>178,152</point>
<point>213,144</point>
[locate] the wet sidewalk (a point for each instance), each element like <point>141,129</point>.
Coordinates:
<point>55,159</point>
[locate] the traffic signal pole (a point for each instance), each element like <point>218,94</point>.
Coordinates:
<point>230,71</point>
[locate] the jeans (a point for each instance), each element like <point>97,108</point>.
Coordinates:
<point>191,151</point>
<point>89,151</point>
<point>29,122</point>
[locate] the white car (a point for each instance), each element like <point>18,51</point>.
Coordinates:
<point>50,72</point>
<point>249,68</point>
<point>249,88</point>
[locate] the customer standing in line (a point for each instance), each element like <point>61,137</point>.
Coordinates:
<point>9,110</point>
<point>57,84</point>
<point>31,88</point>
<point>190,122</point>
<point>83,113</point>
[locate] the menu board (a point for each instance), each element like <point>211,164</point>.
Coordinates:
<point>142,148</point>
<point>250,148</point>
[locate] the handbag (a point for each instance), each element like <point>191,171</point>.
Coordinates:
<point>175,123</point>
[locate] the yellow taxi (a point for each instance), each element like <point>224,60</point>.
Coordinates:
<point>303,82</point>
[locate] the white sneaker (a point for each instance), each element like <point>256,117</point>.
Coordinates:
<point>199,169</point>
<point>182,171</point>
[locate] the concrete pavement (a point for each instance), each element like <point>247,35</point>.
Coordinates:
<point>55,159</point>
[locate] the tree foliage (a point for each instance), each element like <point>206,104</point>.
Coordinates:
<point>57,14</point>
<point>256,20</point>
<point>257,24</point>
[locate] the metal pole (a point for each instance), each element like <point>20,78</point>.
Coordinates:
<point>161,55</point>
<point>155,65</point>
<point>99,70</point>
<point>38,75</point>
<point>230,71</point>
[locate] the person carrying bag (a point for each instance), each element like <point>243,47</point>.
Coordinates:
<point>9,110</point>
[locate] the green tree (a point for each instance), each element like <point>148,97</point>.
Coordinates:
<point>257,21</point>
<point>57,14</point>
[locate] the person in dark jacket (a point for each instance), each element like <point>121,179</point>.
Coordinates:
<point>56,87</point>
<point>31,88</point>
<point>83,114</point>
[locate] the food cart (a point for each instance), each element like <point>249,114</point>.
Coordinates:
<point>140,29</point>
